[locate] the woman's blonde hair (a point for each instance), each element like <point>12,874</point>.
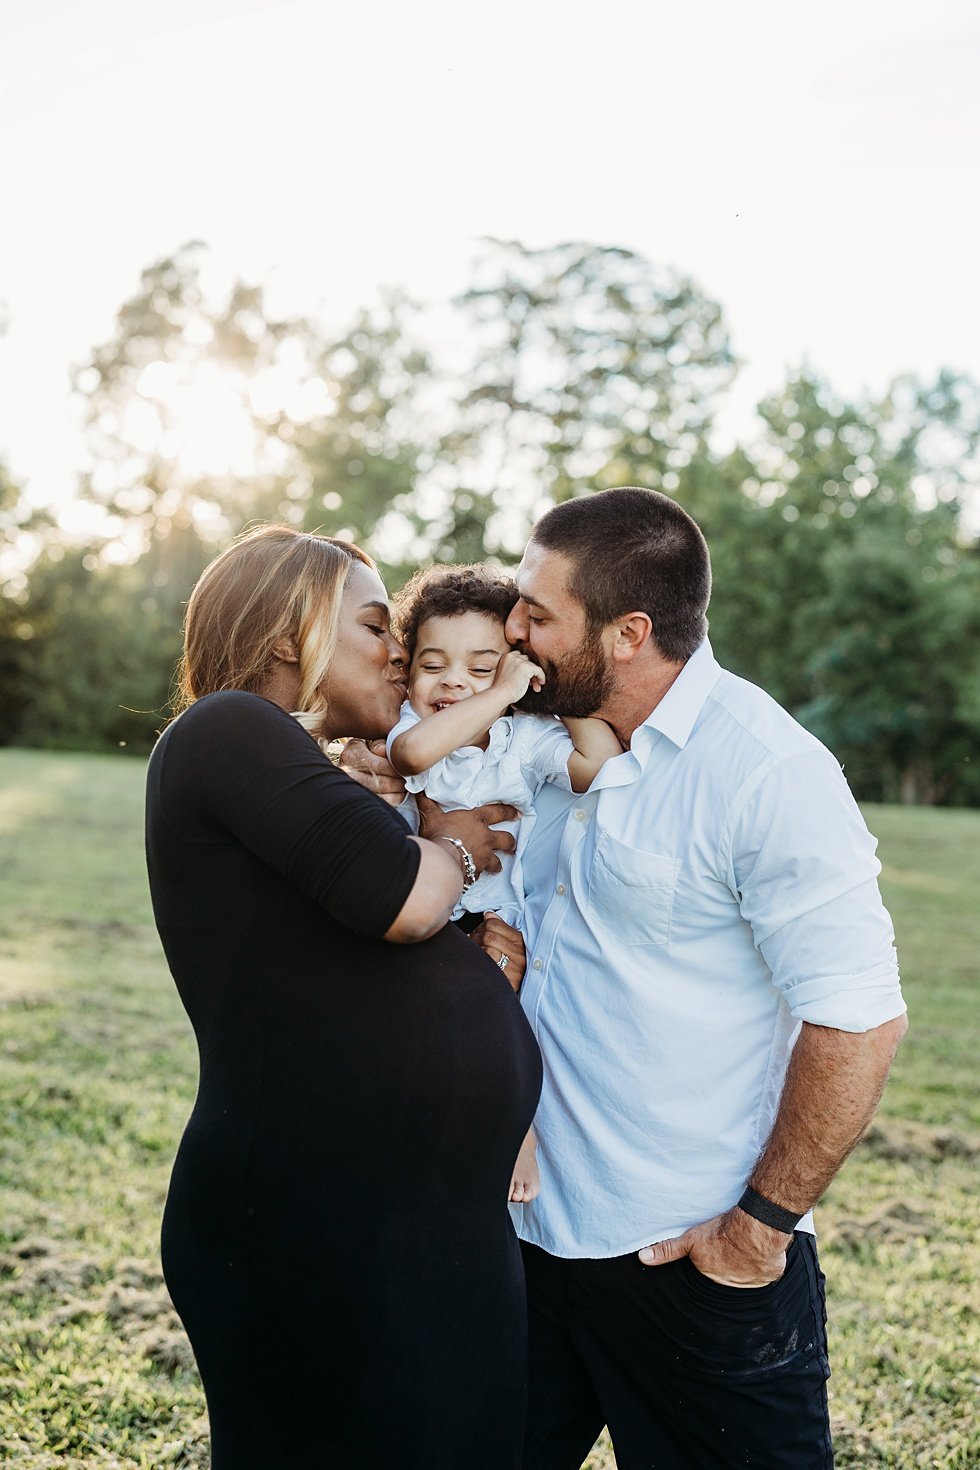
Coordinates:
<point>271,584</point>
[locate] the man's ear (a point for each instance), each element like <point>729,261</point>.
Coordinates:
<point>631,634</point>
<point>286,651</point>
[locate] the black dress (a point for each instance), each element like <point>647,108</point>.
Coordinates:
<point>336,1238</point>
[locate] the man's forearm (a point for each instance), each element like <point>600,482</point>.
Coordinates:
<point>833,1086</point>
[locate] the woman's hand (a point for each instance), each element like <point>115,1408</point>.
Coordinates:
<point>473,828</point>
<point>367,763</point>
<point>503,941</point>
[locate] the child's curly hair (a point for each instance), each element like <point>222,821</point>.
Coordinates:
<point>447,592</point>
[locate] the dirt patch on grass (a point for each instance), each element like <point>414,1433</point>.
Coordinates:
<point>26,1000</point>
<point>896,1220</point>
<point>39,1267</point>
<point>916,1142</point>
<point>103,930</point>
<point>147,1319</point>
<point>134,1303</point>
<point>169,1349</point>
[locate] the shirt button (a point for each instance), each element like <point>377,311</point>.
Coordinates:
<point>536,965</point>
<point>560,888</point>
<point>580,815</point>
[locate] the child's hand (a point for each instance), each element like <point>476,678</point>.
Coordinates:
<point>515,672</point>
<point>526,1182</point>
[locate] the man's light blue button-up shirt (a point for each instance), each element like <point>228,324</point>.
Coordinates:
<point>715,887</point>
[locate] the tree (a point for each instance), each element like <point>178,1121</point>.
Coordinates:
<point>844,583</point>
<point>895,668</point>
<point>589,360</point>
<point>203,415</point>
<point>23,529</point>
<point>200,417</point>
<point>102,654</point>
<point>364,454</point>
<point>176,405</point>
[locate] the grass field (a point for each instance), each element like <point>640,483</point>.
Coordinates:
<point>97,1074</point>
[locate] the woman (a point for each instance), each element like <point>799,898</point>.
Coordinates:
<point>336,1238</point>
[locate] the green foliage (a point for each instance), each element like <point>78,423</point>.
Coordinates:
<point>22,529</point>
<point>178,372</point>
<point>362,459</point>
<point>911,735</point>
<point>845,582</point>
<point>586,357</point>
<point>99,1077</point>
<point>102,643</point>
<point>89,653</point>
<point>13,673</point>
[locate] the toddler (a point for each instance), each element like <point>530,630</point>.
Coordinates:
<point>456,741</point>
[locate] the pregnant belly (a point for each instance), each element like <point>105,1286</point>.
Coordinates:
<point>383,1087</point>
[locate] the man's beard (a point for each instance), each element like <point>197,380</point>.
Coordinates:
<point>577,685</point>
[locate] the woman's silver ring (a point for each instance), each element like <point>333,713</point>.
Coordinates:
<point>504,961</point>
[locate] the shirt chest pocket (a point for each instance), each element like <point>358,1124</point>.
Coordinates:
<point>631,893</point>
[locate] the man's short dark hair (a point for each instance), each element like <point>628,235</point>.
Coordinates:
<point>448,592</point>
<point>634,550</point>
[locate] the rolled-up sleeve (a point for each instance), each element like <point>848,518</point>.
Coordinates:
<point>803,866</point>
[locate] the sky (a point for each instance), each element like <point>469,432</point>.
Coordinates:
<point>816,169</point>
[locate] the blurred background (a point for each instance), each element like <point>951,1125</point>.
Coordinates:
<point>408,274</point>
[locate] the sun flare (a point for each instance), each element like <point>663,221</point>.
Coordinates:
<point>196,417</point>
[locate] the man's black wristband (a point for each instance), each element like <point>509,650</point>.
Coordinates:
<point>763,1209</point>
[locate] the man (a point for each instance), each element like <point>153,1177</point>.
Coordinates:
<point>712,982</point>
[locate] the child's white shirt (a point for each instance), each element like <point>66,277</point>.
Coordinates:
<point>524,752</point>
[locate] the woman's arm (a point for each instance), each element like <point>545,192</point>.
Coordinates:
<point>435,893</point>
<point>438,884</point>
<point>236,767</point>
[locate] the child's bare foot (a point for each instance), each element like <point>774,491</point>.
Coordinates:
<point>526,1183</point>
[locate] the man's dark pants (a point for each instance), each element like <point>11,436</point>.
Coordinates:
<point>688,1374</point>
